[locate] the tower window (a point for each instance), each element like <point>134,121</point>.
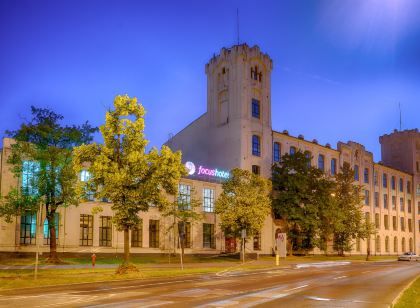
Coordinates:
<point>256,145</point>
<point>255,108</point>
<point>256,74</point>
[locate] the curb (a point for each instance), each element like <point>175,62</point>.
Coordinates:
<point>395,300</point>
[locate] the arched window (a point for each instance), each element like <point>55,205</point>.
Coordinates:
<point>356,172</point>
<point>387,243</point>
<point>366,176</point>
<point>393,182</point>
<point>395,244</point>
<point>308,156</point>
<point>410,244</point>
<point>321,162</point>
<point>333,166</point>
<point>403,244</point>
<point>256,145</point>
<point>292,150</point>
<point>401,185</point>
<point>276,152</point>
<point>378,244</point>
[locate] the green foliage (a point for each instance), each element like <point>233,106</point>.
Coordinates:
<point>45,145</point>
<point>244,203</point>
<point>123,172</point>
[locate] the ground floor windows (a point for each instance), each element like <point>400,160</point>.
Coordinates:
<point>387,244</point>
<point>47,229</point>
<point>28,229</point>
<point>378,244</point>
<point>105,231</point>
<point>208,236</point>
<point>137,235</point>
<point>403,244</point>
<point>153,233</point>
<point>186,234</point>
<point>86,230</point>
<point>410,244</point>
<point>395,244</point>
<point>257,241</point>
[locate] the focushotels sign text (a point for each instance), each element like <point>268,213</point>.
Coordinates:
<point>204,171</point>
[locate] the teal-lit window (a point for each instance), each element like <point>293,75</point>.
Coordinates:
<point>321,162</point>
<point>28,229</point>
<point>255,108</point>
<point>256,145</point>
<point>184,197</point>
<point>356,172</point>
<point>47,229</point>
<point>333,166</point>
<point>276,152</point>
<point>30,172</point>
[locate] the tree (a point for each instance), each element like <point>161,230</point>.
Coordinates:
<point>299,192</point>
<point>42,156</point>
<point>349,221</point>
<point>365,232</point>
<point>183,211</point>
<point>124,173</point>
<point>244,203</point>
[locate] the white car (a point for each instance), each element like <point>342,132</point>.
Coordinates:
<point>408,256</point>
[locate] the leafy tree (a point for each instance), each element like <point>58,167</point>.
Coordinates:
<point>244,203</point>
<point>299,192</point>
<point>365,232</point>
<point>42,149</point>
<point>349,221</point>
<point>124,173</point>
<point>184,210</point>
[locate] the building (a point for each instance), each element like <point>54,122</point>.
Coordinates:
<point>236,131</point>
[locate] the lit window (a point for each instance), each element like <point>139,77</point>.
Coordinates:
<point>256,145</point>
<point>276,152</point>
<point>255,108</point>
<point>208,236</point>
<point>333,166</point>
<point>28,229</point>
<point>208,200</point>
<point>394,202</point>
<point>86,230</point>
<point>153,233</point>
<point>105,231</point>
<point>30,172</point>
<point>84,175</point>
<point>47,229</point>
<point>321,162</point>
<point>184,197</point>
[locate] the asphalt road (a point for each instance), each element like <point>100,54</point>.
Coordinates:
<point>373,284</point>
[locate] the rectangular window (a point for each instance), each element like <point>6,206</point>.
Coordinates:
<point>356,172</point>
<point>137,235</point>
<point>153,233</point>
<point>401,185</point>
<point>208,200</point>
<point>377,221</point>
<point>384,180</point>
<point>333,166</point>
<point>408,187</point>
<point>256,169</point>
<point>321,160</point>
<point>366,176</point>
<point>256,145</point>
<point>402,208</point>
<point>105,231</point>
<point>394,202</point>
<point>208,236</point>
<point>386,222</point>
<point>410,227</point>
<point>367,197</point>
<point>47,229</point>
<point>86,230</point>
<point>385,201</point>
<point>402,224</point>
<point>30,170</point>
<point>184,197</point>
<point>187,234</point>
<point>255,108</point>
<point>257,241</point>
<point>418,207</point>
<point>393,182</point>
<point>376,199</point>
<point>409,206</point>
<point>375,177</point>
<point>28,229</point>
<point>394,223</point>
<point>276,152</point>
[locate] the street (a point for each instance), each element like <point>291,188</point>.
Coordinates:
<point>324,284</point>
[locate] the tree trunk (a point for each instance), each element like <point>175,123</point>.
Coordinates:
<point>53,240</point>
<point>126,246</point>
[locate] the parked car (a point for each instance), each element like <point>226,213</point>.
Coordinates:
<point>408,256</point>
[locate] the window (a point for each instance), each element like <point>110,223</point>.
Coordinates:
<point>394,202</point>
<point>137,235</point>
<point>30,170</point>
<point>395,244</point>
<point>333,166</point>
<point>184,197</point>
<point>321,162</point>
<point>378,243</point>
<point>28,229</point>
<point>401,185</point>
<point>276,152</point>
<point>208,200</point>
<point>367,217</point>
<point>367,198</point>
<point>410,244</point>
<point>402,208</point>
<point>418,189</point>
<point>376,199</point>
<point>356,172</point>
<point>377,221</point>
<point>47,229</point>
<point>402,221</point>
<point>408,187</point>
<point>403,244</point>
<point>409,224</point>
<point>256,169</point>
<point>418,207</point>
<point>105,231</point>
<point>292,150</point>
<point>255,108</point>
<point>84,175</point>
<point>86,230</point>
<point>208,236</point>
<point>366,176</point>
<point>153,233</point>
<point>393,182</point>
<point>308,156</point>
<point>385,201</point>
<point>256,74</point>
<point>394,223</point>
<point>384,180</point>
<point>257,241</point>
<point>417,166</point>
<point>187,234</point>
<point>387,243</point>
<point>409,206</point>
<point>386,222</point>
<point>375,178</point>
<point>256,145</point>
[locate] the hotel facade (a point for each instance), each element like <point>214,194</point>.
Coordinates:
<point>236,131</point>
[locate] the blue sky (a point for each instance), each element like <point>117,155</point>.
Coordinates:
<point>340,67</point>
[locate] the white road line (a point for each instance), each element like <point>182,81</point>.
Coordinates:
<point>300,287</point>
<point>315,298</point>
<point>340,277</point>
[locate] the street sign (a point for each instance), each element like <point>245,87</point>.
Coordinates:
<point>243,233</point>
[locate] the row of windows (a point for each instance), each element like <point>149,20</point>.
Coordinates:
<point>403,248</point>
<point>184,198</point>
<point>28,229</point>
<point>386,201</point>
<point>394,223</point>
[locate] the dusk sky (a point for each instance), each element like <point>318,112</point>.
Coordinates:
<point>340,67</point>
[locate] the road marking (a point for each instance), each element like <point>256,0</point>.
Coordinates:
<point>323,264</point>
<point>340,277</point>
<point>300,287</point>
<point>315,298</point>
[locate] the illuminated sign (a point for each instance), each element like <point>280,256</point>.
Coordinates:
<point>206,171</point>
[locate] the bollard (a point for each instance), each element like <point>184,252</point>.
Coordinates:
<point>277,259</point>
